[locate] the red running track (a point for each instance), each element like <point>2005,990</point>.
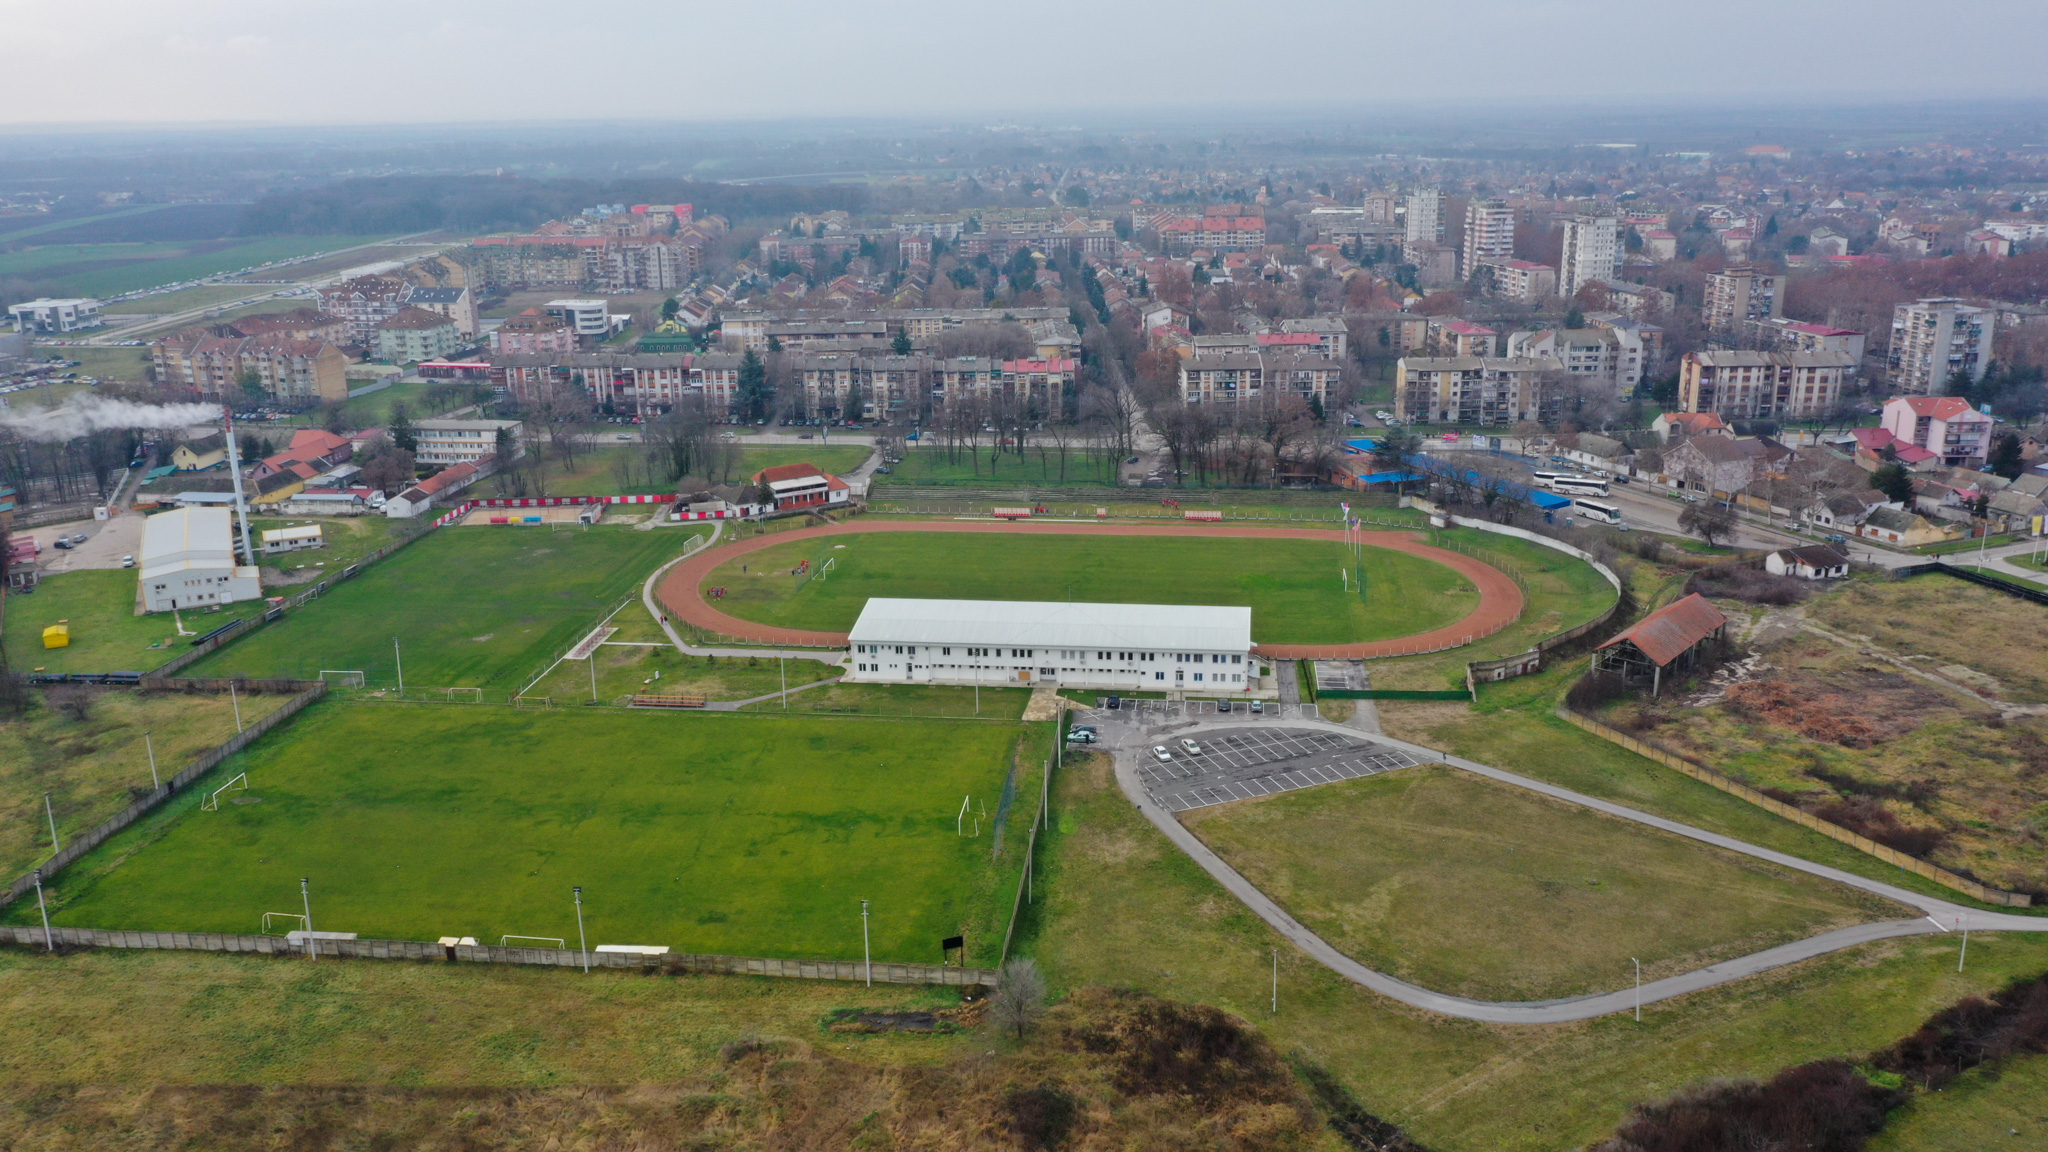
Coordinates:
<point>1500,599</point>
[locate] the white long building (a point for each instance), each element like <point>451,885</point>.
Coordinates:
<point>188,561</point>
<point>1118,647</point>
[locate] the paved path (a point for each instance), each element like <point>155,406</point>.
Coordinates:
<point>1500,599</point>
<point>1940,915</point>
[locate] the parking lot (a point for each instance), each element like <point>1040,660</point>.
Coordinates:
<point>1243,763</point>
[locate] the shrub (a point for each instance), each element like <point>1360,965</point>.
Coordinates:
<point>1742,582</point>
<point>1867,817</point>
<point>2014,1022</point>
<point>1825,1106</point>
<point>1593,690</point>
<point>1040,1117</point>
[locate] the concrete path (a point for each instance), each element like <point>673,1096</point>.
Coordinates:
<point>1940,915</point>
<point>654,609</point>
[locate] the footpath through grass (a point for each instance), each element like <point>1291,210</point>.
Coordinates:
<point>472,607</point>
<point>106,634</point>
<point>1474,888</point>
<point>1295,588</point>
<point>732,834</point>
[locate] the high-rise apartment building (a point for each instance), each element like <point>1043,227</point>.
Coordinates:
<point>1425,222</point>
<point>1592,251</point>
<point>1489,235</point>
<point>1741,294</point>
<point>1932,340</point>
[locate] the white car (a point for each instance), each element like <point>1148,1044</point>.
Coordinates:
<point>1190,747</point>
<point>1160,753</point>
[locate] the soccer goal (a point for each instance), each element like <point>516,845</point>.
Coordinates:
<point>466,695</point>
<point>825,569</point>
<point>288,918</point>
<point>533,702</point>
<point>350,677</point>
<point>240,783</point>
<point>506,941</point>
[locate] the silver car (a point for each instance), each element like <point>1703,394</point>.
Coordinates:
<point>1160,753</point>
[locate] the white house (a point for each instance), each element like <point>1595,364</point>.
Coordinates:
<point>188,561</point>
<point>1811,563</point>
<point>1118,647</point>
<point>276,540</point>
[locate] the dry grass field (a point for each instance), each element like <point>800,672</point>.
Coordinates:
<point>1989,638</point>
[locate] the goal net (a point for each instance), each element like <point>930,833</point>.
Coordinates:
<point>532,702</point>
<point>292,922</point>
<point>346,677</point>
<point>531,941</point>
<point>466,695</point>
<point>240,783</point>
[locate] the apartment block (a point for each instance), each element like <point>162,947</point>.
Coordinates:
<point>1241,378</point>
<point>1489,236</point>
<point>1932,340</point>
<point>1524,281</point>
<point>1593,252</point>
<point>1473,389</point>
<point>1741,294</point>
<point>464,441</point>
<point>1745,385</point>
<point>294,371</point>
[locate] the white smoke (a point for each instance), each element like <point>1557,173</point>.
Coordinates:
<point>90,413</point>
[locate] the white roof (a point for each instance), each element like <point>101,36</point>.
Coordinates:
<point>187,531</point>
<point>1055,624</point>
<point>812,481</point>
<point>301,532</point>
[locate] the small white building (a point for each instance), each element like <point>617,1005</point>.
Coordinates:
<point>293,539</point>
<point>1816,562</point>
<point>464,441</point>
<point>1117,647</point>
<point>188,561</point>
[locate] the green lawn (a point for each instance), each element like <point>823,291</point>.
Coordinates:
<point>1475,888</point>
<point>930,466</point>
<point>106,634</point>
<point>349,539</point>
<point>615,468</point>
<point>2005,1111</point>
<point>200,296</point>
<point>474,607</point>
<point>110,269</point>
<point>1294,587</point>
<point>627,667</point>
<point>105,363</point>
<point>725,834</point>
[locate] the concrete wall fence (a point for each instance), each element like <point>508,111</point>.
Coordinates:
<point>1804,819</point>
<point>1525,663</point>
<point>851,971</point>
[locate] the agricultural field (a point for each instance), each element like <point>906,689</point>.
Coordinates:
<point>110,269</point>
<point>473,607</point>
<point>106,634</point>
<point>723,834</point>
<point>1989,638</point>
<point>1125,908</point>
<point>1293,586</point>
<point>85,747</point>
<point>1912,762</point>
<point>1471,887</point>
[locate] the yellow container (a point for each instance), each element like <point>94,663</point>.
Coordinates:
<point>57,636</point>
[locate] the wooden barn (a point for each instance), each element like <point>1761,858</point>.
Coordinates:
<point>1673,638</point>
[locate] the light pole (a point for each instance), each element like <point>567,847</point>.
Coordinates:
<point>782,669</point>
<point>55,846</point>
<point>1965,954</point>
<point>306,895</point>
<point>1639,988</point>
<point>235,700</point>
<point>398,657</point>
<point>582,944</point>
<point>867,955</point>
<point>1276,981</point>
<point>49,943</point>
<point>155,781</point>
<point>593,676</point>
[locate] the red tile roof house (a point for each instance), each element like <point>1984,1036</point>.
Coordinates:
<point>1675,637</point>
<point>800,486</point>
<point>439,486</point>
<point>1876,447</point>
<point>1944,425</point>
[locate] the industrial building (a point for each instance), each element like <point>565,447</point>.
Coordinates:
<point>188,561</point>
<point>1115,647</point>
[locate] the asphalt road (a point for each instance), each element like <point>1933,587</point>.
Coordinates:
<point>1127,744</point>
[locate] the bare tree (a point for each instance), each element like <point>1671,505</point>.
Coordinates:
<point>1019,997</point>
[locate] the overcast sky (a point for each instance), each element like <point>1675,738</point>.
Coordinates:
<point>391,61</point>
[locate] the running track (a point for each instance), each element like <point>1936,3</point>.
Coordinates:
<point>1500,600</point>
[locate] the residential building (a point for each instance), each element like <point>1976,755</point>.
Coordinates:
<point>297,324</point>
<point>1216,231</point>
<point>1745,385</point>
<point>1423,222</point>
<point>1740,294</point>
<point>464,441</point>
<point>1932,340</point>
<point>188,561</point>
<point>1332,338</point>
<point>1722,466</point>
<point>457,304</point>
<point>1944,425</point>
<point>47,317</point>
<point>207,450</point>
<point>1799,336</point>
<point>1473,389</point>
<point>1117,647</point>
<point>534,333</point>
<point>1592,253</point>
<point>434,489</point>
<point>1659,245</point>
<point>1245,377</point>
<point>292,371</point>
<point>590,318</point>
<point>1524,281</point>
<point>1450,336</point>
<point>1489,236</point>
<point>1607,358</point>
<point>1669,426</point>
<point>1640,301</point>
<point>363,303</point>
<point>415,334</point>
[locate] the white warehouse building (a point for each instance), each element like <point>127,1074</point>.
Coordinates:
<point>1117,647</point>
<point>188,561</point>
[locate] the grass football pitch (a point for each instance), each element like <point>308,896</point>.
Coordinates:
<point>726,834</point>
<point>480,607</point>
<point>1295,588</point>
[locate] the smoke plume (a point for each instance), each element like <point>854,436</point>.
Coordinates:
<point>90,413</point>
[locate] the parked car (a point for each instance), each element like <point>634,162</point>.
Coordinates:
<point>1258,707</point>
<point>78,539</point>
<point>1079,737</point>
<point>1223,706</point>
<point>884,470</point>
<point>1114,703</point>
<point>1161,754</point>
<point>62,542</point>
<point>127,561</point>
<point>1190,747</point>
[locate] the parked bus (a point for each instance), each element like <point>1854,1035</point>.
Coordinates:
<point>1548,479</point>
<point>1581,486</point>
<point>1595,510</point>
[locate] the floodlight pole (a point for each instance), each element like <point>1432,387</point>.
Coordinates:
<point>49,942</point>
<point>1276,981</point>
<point>56,846</point>
<point>236,700</point>
<point>867,954</point>
<point>782,669</point>
<point>1639,988</point>
<point>156,782</point>
<point>1965,954</point>
<point>399,657</point>
<point>306,895</point>
<point>593,676</point>
<point>582,944</point>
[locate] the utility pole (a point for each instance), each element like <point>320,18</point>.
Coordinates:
<point>582,943</point>
<point>55,845</point>
<point>1639,988</point>
<point>399,657</point>
<point>236,701</point>
<point>306,895</point>
<point>1276,981</point>
<point>49,942</point>
<point>155,781</point>
<point>1965,955</point>
<point>867,954</point>
<point>593,675</point>
<point>782,669</point>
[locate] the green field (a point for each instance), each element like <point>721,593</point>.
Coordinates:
<point>349,539</point>
<point>2005,1110</point>
<point>473,607</point>
<point>1475,888</point>
<point>202,296</point>
<point>930,466</point>
<point>106,634</point>
<point>615,468</point>
<point>1294,587</point>
<point>105,363</point>
<point>706,833</point>
<point>110,269</point>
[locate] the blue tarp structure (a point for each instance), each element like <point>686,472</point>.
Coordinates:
<point>1547,501</point>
